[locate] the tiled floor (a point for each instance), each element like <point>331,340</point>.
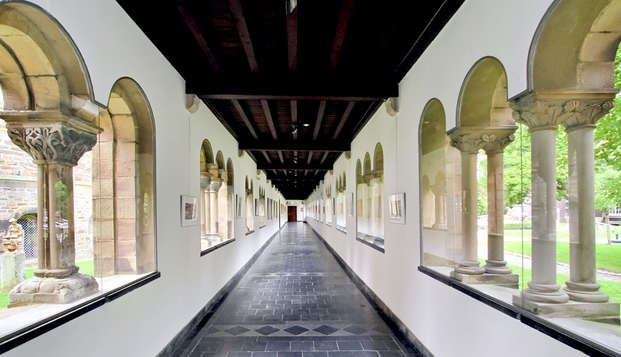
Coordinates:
<point>296,301</point>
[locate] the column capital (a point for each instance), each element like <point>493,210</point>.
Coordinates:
<point>51,142</point>
<point>547,109</point>
<point>472,139</point>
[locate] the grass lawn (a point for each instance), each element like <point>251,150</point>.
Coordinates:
<point>608,256</point>
<point>86,267</point>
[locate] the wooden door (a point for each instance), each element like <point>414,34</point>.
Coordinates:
<point>292,213</point>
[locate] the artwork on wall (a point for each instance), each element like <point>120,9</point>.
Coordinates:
<point>189,210</point>
<point>396,205</point>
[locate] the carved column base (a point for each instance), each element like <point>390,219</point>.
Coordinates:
<point>544,293</point>
<point>584,310</point>
<point>585,292</point>
<point>468,267</point>
<point>40,290</point>
<point>506,280</point>
<point>496,267</point>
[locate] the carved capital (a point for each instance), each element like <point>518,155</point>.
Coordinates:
<point>491,139</point>
<point>52,143</point>
<point>547,110</point>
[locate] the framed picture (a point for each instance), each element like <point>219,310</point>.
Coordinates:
<point>396,208</point>
<point>189,210</point>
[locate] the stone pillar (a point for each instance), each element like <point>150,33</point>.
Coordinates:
<point>542,116</point>
<point>439,194</point>
<point>469,145</point>
<point>56,146</point>
<point>580,123</point>
<point>494,146</point>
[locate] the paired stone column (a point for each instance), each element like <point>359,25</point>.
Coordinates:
<point>55,145</point>
<point>581,115</point>
<point>542,115</point>
<point>494,145</point>
<point>439,194</point>
<point>468,144</point>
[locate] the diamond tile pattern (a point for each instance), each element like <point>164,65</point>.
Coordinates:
<point>356,330</point>
<point>296,330</point>
<point>295,301</point>
<point>237,330</point>
<point>267,330</point>
<point>326,330</point>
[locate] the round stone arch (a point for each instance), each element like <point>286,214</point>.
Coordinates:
<point>206,155</point>
<point>220,161</point>
<point>41,67</point>
<point>574,46</point>
<point>124,183</point>
<point>378,159</point>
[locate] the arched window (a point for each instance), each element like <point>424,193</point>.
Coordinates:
<point>249,206</point>
<point>369,196</point>
<point>230,198</point>
<point>341,189</point>
<point>377,193</point>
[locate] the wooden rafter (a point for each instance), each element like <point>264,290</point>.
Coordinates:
<point>294,117</point>
<point>318,146</point>
<point>341,31</point>
<point>244,34</point>
<point>268,118</point>
<point>267,157</point>
<point>350,107</point>
<point>244,117</point>
<point>320,112</point>
<point>190,22</point>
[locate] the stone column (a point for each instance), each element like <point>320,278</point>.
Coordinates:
<point>494,146</point>
<point>439,193</point>
<point>56,146</point>
<point>542,116</point>
<point>580,123</point>
<point>212,194</point>
<point>204,199</point>
<point>469,145</point>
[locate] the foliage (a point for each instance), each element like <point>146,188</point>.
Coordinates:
<point>608,130</point>
<point>607,187</point>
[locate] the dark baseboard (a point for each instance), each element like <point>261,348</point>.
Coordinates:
<point>190,330</point>
<point>396,325</point>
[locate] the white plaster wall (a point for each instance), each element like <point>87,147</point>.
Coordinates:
<point>142,322</point>
<point>447,321</point>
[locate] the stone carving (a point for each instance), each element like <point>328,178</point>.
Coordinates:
<point>548,110</point>
<point>54,143</point>
<point>13,241</point>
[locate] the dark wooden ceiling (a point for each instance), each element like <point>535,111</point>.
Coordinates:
<point>293,82</point>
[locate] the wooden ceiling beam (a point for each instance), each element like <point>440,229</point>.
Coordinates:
<point>310,157</point>
<point>198,35</point>
<point>320,113</point>
<point>293,86</point>
<point>267,157</point>
<point>341,31</point>
<point>269,119</point>
<point>291,167</point>
<point>325,156</point>
<point>245,119</point>
<point>294,117</point>
<point>292,40</point>
<point>318,146</point>
<point>282,160</point>
<point>244,35</point>
<point>350,107</point>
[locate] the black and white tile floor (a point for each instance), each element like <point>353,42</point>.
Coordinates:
<point>296,301</point>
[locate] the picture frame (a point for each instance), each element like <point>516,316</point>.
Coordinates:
<point>189,210</point>
<point>396,208</point>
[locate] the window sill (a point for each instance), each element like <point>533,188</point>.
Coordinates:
<point>375,244</point>
<point>341,229</point>
<point>219,245</point>
<point>261,227</point>
<point>559,333</point>
<point>32,331</point>
<point>249,232</point>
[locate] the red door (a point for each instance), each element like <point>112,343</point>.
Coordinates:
<point>292,213</point>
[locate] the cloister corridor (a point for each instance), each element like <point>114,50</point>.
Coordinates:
<point>296,301</point>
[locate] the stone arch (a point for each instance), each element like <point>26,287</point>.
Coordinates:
<point>124,183</point>
<point>378,158</point>
<point>483,101</point>
<point>206,155</point>
<point>249,205</point>
<point>220,160</point>
<point>41,66</point>
<point>367,164</point>
<point>575,45</point>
